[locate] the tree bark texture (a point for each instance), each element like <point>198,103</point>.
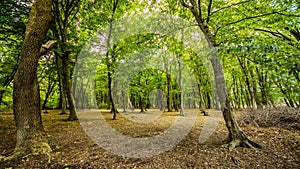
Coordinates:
<point>30,132</point>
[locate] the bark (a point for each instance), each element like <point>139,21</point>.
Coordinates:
<point>48,93</point>
<point>62,101</point>
<point>262,84</point>
<point>254,86</point>
<point>142,105</point>
<point>202,102</point>
<point>236,92</point>
<point>169,97</point>
<point>68,86</point>
<point>31,136</point>
<point>1,96</point>
<point>181,88</point>
<point>113,108</point>
<point>208,100</point>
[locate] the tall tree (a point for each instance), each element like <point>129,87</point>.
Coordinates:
<point>202,15</point>
<point>64,14</point>
<point>31,136</point>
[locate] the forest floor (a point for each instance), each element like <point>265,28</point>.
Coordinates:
<point>72,148</point>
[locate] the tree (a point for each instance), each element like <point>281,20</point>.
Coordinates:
<point>31,136</point>
<point>64,13</point>
<point>236,135</point>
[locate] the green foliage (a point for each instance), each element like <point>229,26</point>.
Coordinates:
<point>262,34</point>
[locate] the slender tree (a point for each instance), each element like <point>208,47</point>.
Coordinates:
<point>236,135</point>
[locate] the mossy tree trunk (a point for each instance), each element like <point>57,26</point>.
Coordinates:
<point>31,136</point>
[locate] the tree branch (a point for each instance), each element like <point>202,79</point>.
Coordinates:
<point>47,47</point>
<point>209,10</point>
<point>277,34</point>
<point>250,17</point>
<point>293,15</point>
<point>296,34</point>
<point>199,8</point>
<point>229,6</point>
<point>184,4</point>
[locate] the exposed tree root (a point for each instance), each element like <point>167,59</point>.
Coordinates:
<point>242,141</point>
<point>236,135</point>
<point>30,148</point>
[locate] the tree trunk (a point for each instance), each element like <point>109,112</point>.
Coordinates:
<point>113,108</point>
<point>1,95</point>
<point>262,84</point>
<point>62,98</point>
<point>202,102</point>
<point>235,92</point>
<point>236,135</point>
<point>31,137</point>
<point>181,87</point>
<point>254,86</point>
<point>48,93</point>
<point>68,86</point>
<point>142,105</point>
<point>247,80</point>
<point>208,100</point>
<point>169,98</point>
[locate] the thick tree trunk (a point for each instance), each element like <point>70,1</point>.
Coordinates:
<point>31,136</point>
<point>236,136</point>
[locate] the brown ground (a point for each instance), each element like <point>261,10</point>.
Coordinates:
<point>74,149</point>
